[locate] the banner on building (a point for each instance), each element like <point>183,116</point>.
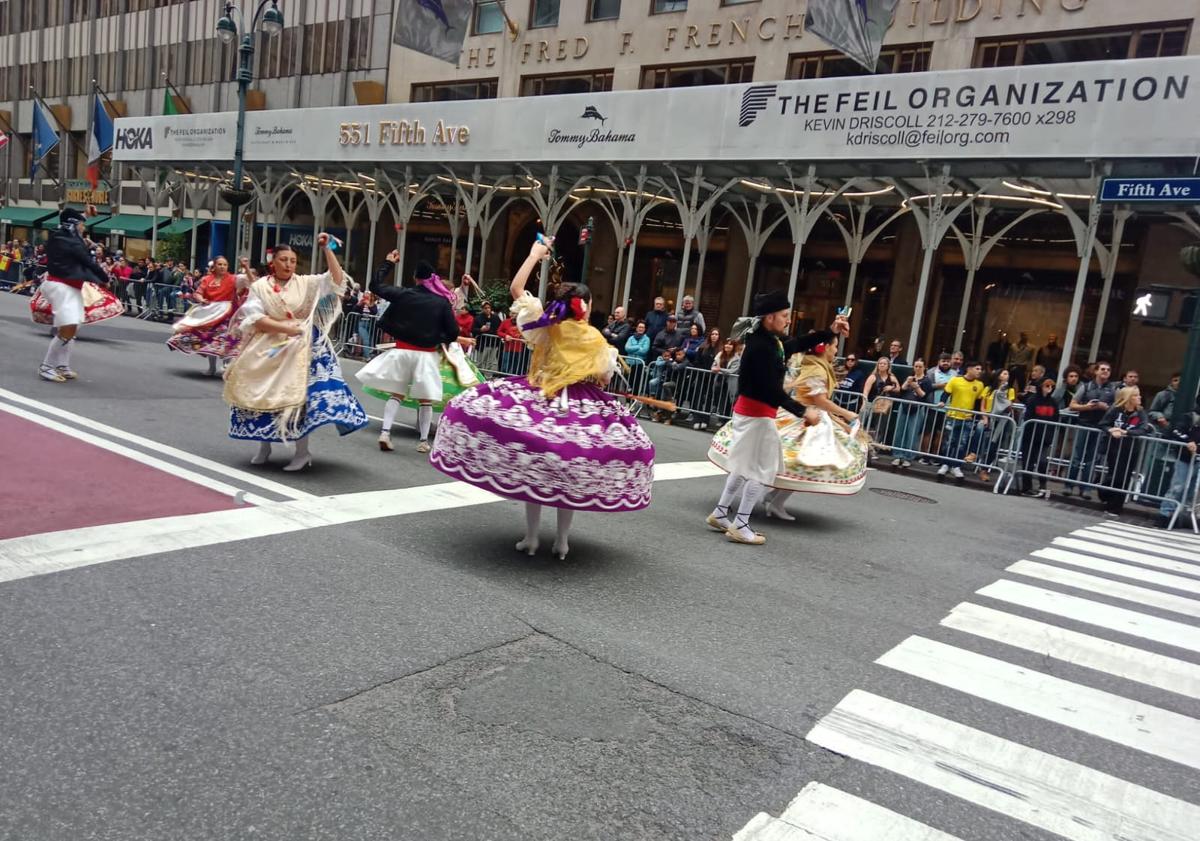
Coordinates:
<point>1139,108</point>
<point>434,27</point>
<point>854,28</point>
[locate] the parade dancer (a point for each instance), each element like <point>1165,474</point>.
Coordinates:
<point>69,264</point>
<point>286,381</point>
<point>426,360</point>
<point>206,328</point>
<point>554,437</point>
<point>823,451</point>
<point>753,455</point>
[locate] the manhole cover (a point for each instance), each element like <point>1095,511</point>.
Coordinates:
<point>907,497</point>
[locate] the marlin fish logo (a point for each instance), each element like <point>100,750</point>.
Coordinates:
<point>590,113</point>
<point>438,10</point>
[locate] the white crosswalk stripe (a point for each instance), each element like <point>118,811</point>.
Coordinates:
<point>1090,612</point>
<point>822,813</point>
<point>1140,569</point>
<point>1107,587</point>
<point>1153,536</point>
<point>1139,726</point>
<point>1122,570</point>
<point>1102,655</point>
<point>1038,788</point>
<point>1124,553</point>
<point>1121,539</point>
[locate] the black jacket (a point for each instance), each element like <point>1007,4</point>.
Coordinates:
<point>69,258</point>
<point>764,365</point>
<point>415,315</point>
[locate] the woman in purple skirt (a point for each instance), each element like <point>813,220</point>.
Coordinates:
<point>554,437</point>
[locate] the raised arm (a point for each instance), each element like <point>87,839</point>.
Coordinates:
<point>335,268</point>
<point>537,253</point>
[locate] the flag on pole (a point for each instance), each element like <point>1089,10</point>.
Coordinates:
<point>169,107</point>
<point>100,139</point>
<point>45,138</point>
<point>433,27</point>
<point>854,28</point>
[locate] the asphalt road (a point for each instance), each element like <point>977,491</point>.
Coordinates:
<point>412,676</point>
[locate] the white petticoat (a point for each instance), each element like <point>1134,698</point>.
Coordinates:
<point>755,451</point>
<point>65,301</point>
<point>412,373</point>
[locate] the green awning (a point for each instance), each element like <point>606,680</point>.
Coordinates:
<point>181,226</point>
<point>52,223</point>
<point>128,224</point>
<point>27,217</point>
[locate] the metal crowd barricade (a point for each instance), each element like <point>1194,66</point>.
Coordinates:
<point>1143,468</point>
<point>499,357</point>
<point>910,429</point>
<point>848,399</point>
<point>706,395</point>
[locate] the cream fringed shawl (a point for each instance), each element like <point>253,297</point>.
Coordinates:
<point>271,372</point>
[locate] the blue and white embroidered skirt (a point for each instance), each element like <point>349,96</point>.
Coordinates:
<point>329,401</point>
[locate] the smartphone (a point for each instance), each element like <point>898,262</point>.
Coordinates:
<point>333,243</point>
<point>845,311</point>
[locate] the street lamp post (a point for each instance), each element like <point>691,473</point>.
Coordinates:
<point>271,18</point>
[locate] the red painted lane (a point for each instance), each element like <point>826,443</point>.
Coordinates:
<point>50,481</point>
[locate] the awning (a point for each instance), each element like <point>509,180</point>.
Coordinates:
<point>128,224</point>
<point>27,217</point>
<point>181,226</point>
<point>52,223</point>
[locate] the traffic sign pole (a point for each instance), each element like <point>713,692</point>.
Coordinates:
<point>1189,378</point>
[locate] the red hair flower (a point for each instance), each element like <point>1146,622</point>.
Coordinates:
<point>578,309</point>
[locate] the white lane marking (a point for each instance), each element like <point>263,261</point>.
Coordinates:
<point>686,470</point>
<point>1124,540</point>
<point>1043,790</point>
<point>242,476</point>
<point>830,814</point>
<point>1103,655</point>
<point>1136,725</point>
<point>1137,573</point>
<point>1163,545</point>
<point>37,554</point>
<point>138,456</point>
<point>1177,536</point>
<point>1088,612</point>
<point>1092,547</point>
<point>1107,587</point>
<point>763,827</point>
<point>21,557</point>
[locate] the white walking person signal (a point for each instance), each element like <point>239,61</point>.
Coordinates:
<point>1141,306</point>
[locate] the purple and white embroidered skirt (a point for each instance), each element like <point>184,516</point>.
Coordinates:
<point>584,452</point>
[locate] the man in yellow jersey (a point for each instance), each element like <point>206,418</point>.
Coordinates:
<point>962,393</point>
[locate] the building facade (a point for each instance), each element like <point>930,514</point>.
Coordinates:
<point>546,47</point>
<point>142,54</point>
<point>532,48</point>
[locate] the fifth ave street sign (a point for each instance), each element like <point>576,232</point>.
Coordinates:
<point>1156,190</point>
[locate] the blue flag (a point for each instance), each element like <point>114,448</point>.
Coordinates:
<point>45,138</point>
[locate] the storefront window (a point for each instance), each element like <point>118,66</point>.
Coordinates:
<point>488,17</point>
<point>604,9</point>
<point>449,91</point>
<point>693,75</point>
<point>600,80</point>
<point>661,6</point>
<point>1090,45</point>
<point>907,58</point>
<point>543,13</point>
